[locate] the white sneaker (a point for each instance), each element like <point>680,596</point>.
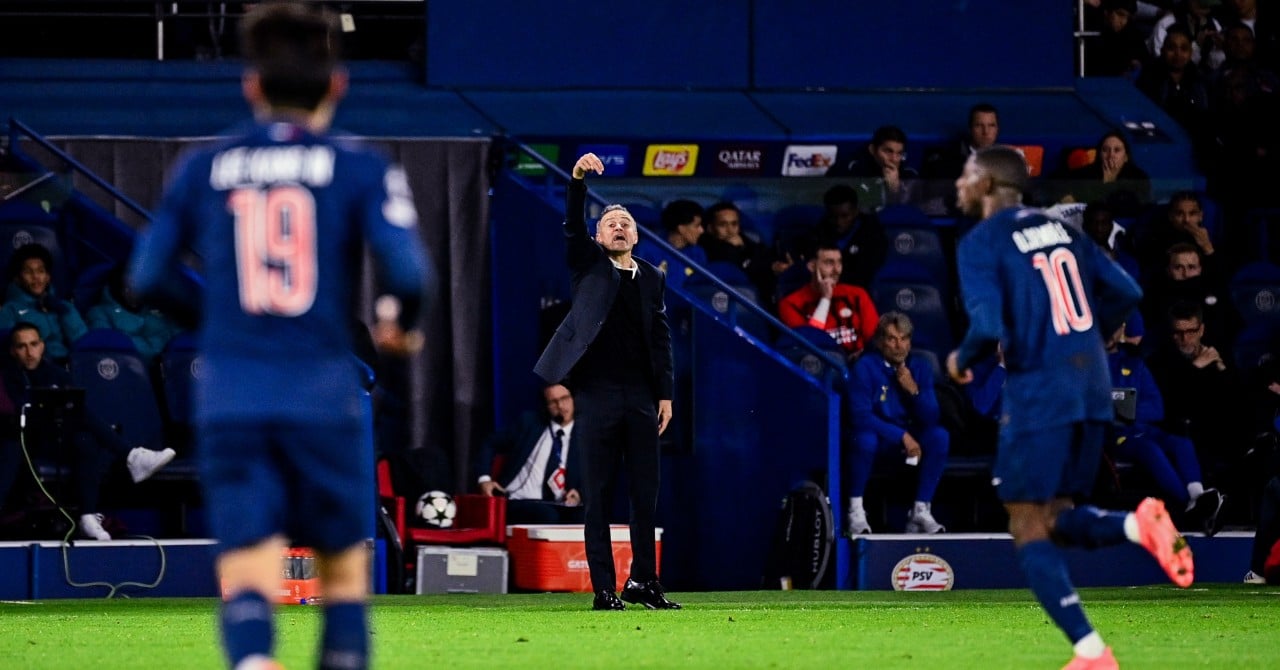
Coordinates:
<point>1252,577</point>
<point>857,523</point>
<point>920,520</point>
<point>145,462</point>
<point>91,527</point>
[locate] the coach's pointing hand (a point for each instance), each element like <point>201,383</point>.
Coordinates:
<point>588,163</point>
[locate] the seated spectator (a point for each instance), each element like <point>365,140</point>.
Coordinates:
<point>895,415</point>
<point>1182,222</point>
<point>1246,102</point>
<point>30,297</point>
<point>1266,32</point>
<point>1175,84</point>
<point>1196,17</point>
<point>682,223</point>
<point>1168,458</point>
<point>1202,395</point>
<point>1184,280</point>
<point>1098,222</point>
<point>94,445</point>
<point>844,311</point>
<point>1118,50</point>
<point>858,235</point>
<point>1112,176</point>
<point>541,472</point>
<point>118,309</point>
<point>882,176</point>
<point>942,168</point>
<point>725,242</point>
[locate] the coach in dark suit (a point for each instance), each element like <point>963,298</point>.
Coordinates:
<point>614,350</point>
<point>541,471</point>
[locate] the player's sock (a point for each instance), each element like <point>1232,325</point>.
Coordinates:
<point>1089,527</point>
<point>1090,646</point>
<point>246,627</point>
<point>345,643</point>
<point>1046,572</point>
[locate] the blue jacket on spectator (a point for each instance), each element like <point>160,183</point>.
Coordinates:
<point>877,403</point>
<point>59,323</point>
<point>1128,370</point>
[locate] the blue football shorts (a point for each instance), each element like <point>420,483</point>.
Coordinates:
<point>313,484</point>
<point>1053,462</point>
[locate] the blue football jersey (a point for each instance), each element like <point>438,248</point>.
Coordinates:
<point>278,217</point>
<point>1048,294</point>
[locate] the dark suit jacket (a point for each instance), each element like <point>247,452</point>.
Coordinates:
<point>515,444</point>
<point>595,285</point>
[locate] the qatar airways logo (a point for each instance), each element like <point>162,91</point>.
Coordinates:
<point>738,160</point>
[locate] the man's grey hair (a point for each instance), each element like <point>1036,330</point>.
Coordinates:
<point>896,319</point>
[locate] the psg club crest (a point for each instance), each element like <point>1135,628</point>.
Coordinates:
<point>922,572</point>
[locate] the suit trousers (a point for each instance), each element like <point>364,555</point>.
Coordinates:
<point>616,424</point>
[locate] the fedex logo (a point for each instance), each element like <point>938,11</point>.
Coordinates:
<point>670,160</point>
<point>614,157</point>
<point>808,160</point>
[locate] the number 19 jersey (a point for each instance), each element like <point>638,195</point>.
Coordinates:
<point>1049,295</point>
<point>278,217</point>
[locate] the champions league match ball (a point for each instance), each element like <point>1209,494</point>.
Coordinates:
<point>436,508</point>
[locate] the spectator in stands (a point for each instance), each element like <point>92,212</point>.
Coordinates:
<point>941,168</point>
<point>1099,223</point>
<point>1265,31</point>
<point>1183,222</point>
<point>882,175</point>
<point>895,415</point>
<point>1175,84</point>
<point>1184,280</point>
<point>845,311</point>
<point>1196,16</point>
<point>30,297</point>
<point>94,445</point>
<point>725,242</point>
<point>1168,458</point>
<point>1202,395</point>
<point>858,235</point>
<point>1112,176</point>
<point>118,309</point>
<point>1118,50</point>
<point>682,223</point>
<point>541,472</point>
<point>1246,101</point>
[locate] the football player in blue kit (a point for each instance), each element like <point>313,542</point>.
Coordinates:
<point>278,214</point>
<point>1047,294</point>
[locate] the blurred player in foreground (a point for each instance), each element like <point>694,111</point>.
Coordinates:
<point>278,214</point>
<point>1046,293</point>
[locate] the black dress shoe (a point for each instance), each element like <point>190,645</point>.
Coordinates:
<point>649,594</point>
<point>607,600</point>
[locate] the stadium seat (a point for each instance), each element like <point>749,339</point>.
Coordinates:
<point>730,309</point>
<point>179,369</point>
<point>1262,226</point>
<point>1077,158</point>
<point>903,215</point>
<point>117,386</point>
<point>481,520</point>
<point>789,346</point>
<point>645,215</point>
<point>1255,292</point>
<point>921,246</point>
<point>924,303</point>
<point>1254,345</point>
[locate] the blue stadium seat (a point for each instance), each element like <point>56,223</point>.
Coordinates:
<point>919,245</point>
<point>709,293</point>
<point>1254,345</point>
<point>1255,292</point>
<point>117,386</point>
<point>1262,226</point>
<point>803,356</point>
<point>904,215</point>
<point>924,303</point>
<point>179,368</point>
<point>646,216</point>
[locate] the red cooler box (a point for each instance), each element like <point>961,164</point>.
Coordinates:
<point>553,557</point>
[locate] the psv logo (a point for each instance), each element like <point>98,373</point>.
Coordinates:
<point>922,572</point>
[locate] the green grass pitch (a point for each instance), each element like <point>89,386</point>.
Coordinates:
<point>1215,626</point>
